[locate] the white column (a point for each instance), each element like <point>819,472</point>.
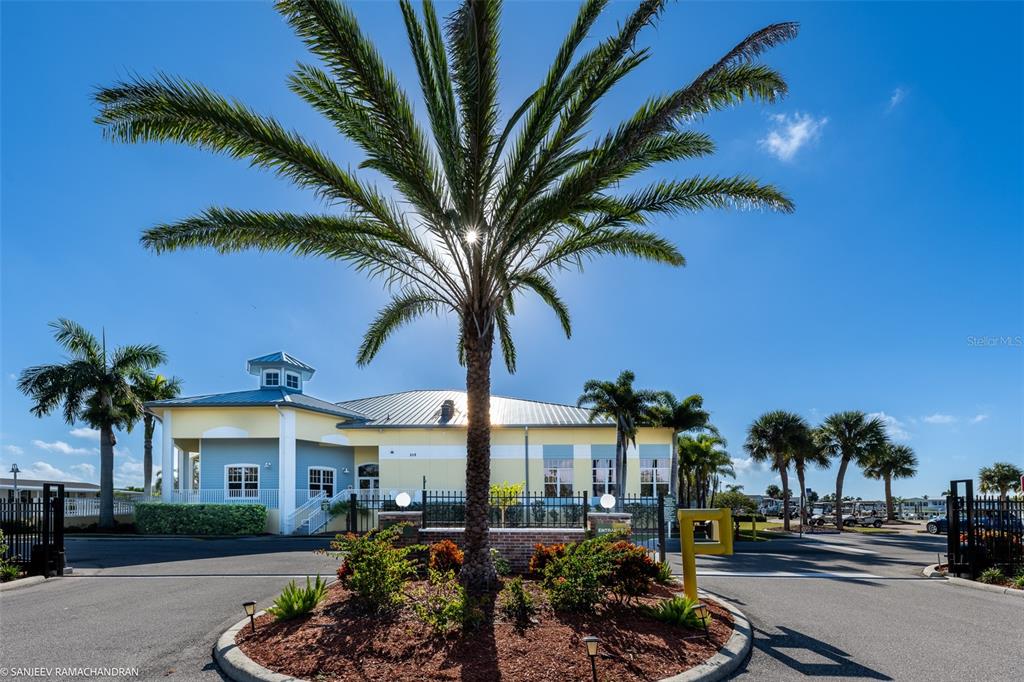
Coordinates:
<point>166,457</point>
<point>192,461</point>
<point>183,482</point>
<point>286,468</point>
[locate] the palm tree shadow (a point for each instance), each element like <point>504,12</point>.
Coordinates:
<point>839,662</point>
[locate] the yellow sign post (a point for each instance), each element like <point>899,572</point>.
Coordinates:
<point>721,521</point>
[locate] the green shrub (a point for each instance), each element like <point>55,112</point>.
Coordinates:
<point>373,568</point>
<point>665,575</point>
<point>1018,581</point>
<point>542,555</point>
<point>445,556</point>
<point>516,603</point>
<point>200,519</point>
<point>443,605</point>
<point>295,601</point>
<point>501,565</point>
<point>676,611</point>
<point>633,571</point>
<point>8,572</point>
<point>992,576</point>
<point>737,501</point>
<point>577,580</point>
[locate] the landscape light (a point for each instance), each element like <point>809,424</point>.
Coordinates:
<point>592,643</point>
<point>704,614</point>
<point>607,500</point>
<point>403,500</point>
<point>250,610</point>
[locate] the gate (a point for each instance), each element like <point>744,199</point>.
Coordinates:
<point>34,531</point>
<point>983,532</point>
<point>650,521</point>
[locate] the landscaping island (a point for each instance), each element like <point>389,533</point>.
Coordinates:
<point>399,613</point>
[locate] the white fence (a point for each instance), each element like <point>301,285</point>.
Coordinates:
<point>90,506</point>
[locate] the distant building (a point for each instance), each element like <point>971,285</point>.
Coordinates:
<point>32,488</point>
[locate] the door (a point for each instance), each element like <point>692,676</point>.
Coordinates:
<point>321,481</point>
<point>368,480</point>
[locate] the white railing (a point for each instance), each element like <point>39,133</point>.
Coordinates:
<point>320,516</point>
<point>307,503</point>
<point>90,506</point>
<point>265,496</point>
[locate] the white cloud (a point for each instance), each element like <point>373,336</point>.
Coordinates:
<point>14,450</point>
<point>44,471</point>
<point>745,466</point>
<point>896,98</point>
<point>978,418</point>
<point>85,432</point>
<point>85,472</point>
<point>896,429</point>
<point>939,419</point>
<point>63,448</point>
<point>790,133</point>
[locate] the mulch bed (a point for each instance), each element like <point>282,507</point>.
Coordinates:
<point>339,642</point>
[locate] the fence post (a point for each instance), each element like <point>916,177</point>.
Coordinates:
<point>586,509</point>
<point>661,527</point>
<point>353,519</point>
<point>971,540</point>
<point>423,501</point>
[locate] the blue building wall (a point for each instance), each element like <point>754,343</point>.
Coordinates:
<point>557,452</point>
<point>603,452</point>
<point>339,457</point>
<point>216,453</point>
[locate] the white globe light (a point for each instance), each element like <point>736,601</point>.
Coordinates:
<point>607,500</point>
<point>403,500</point>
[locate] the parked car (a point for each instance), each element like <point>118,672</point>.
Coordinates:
<point>937,524</point>
<point>1011,522</point>
<point>871,519</point>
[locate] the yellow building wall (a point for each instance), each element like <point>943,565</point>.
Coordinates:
<point>225,422</point>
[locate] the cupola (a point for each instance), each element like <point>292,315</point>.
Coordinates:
<point>280,370</point>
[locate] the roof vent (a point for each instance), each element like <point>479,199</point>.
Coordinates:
<point>447,411</point>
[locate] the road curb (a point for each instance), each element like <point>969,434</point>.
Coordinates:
<point>730,658</point>
<point>22,582</point>
<point>238,667</point>
<point>932,572</point>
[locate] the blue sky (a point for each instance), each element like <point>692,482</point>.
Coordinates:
<point>892,289</point>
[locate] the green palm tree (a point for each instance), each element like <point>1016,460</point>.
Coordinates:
<point>95,387</point>
<point>852,437</point>
<point>773,437</point>
<point>1001,477</point>
<point>892,461</point>
<point>703,461</point>
<point>806,452</point>
<point>628,407</point>
<point>485,209</point>
<point>682,416</point>
<point>149,387</point>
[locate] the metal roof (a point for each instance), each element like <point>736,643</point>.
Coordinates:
<point>280,358</point>
<point>262,397</point>
<point>423,409</point>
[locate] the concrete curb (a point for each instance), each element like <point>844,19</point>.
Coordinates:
<point>238,667</point>
<point>932,572</point>
<point>21,582</point>
<point>730,658</point>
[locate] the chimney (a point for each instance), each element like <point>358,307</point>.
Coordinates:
<point>447,411</point>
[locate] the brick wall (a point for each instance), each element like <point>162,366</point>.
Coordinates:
<point>514,544</point>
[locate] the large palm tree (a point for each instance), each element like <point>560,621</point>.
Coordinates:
<point>149,387</point>
<point>485,209</point>
<point>682,416</point>
<point>703,460</point>
<point>95,387</point>
<point>852,437</point>
<point>1001,478</point>
<point>892,461</point>
<point>773,437</point>
<point>806,452</point>
<point>628,407</point>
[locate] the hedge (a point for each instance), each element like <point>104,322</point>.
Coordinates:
<point>200,519</point>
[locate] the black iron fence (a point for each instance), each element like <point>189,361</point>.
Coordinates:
<point>448,510</point>
<point>34,527</point>
<point>984,532</point>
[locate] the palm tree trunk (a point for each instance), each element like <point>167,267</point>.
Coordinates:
<point>673,459</point>
<point>477,570</point>
<point>620,465</point>
<point>839,492</point>
<point>106,477</point>
<point>784,473</point>
<point>803,509</point>
<point>147,454</point>
<point>890,512</point>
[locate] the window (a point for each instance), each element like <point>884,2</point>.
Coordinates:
<point>321,480</point>
<point>604,476</point>
<point>558,477</point>
<point>272,378</point>
<point>368,479</point>
<point>654,474</point>
<point>291,380</point>
<point>243,480</point>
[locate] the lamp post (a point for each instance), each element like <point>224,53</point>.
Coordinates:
<point>702,612</point>
<point>403,500</point>
<point>592,643</point>
<point>15,470</point>
<point>250,610</point>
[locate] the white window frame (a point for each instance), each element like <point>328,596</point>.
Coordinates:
<point>268,372</point>
<point>298,381</point>
<point>564,474</point>
<point>651,466</point>
<point>608,486</point>
<point>372,489</point>
<point>243,466</point>
<point>321,468</point>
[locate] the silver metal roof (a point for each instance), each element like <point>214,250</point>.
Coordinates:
<point>280,358</point>
<point>261,397</point>
<point>423,409</point>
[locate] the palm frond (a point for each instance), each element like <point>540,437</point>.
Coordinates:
<point>78,341</point>
<point>543,287</point>
<point>401,310</point>
<point>508,348</point>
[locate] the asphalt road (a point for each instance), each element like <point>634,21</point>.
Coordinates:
<point>833,607</point>
<point>827,608</point>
